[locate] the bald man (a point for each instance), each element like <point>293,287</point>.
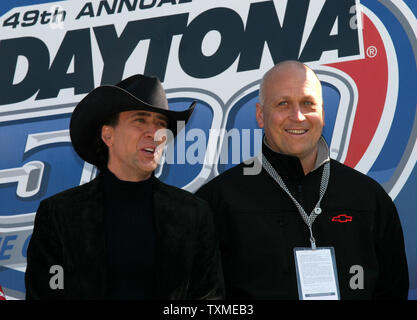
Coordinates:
<point>306,226</point>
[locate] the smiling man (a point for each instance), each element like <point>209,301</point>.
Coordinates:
<point>291,112</point>
<point>292,209</point>
<point>124,235</point>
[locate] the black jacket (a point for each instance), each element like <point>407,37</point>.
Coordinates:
<point>69,232</point>
<point>259,226</point>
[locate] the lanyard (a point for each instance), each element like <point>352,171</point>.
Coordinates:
<point>317,210</point>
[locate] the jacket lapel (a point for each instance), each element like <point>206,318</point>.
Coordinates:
<point>88,242</point>
<point>167,245</point>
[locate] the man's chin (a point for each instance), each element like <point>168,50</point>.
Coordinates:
<point>149,167</point>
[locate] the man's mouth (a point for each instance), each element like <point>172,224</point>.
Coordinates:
<point>149,150</point>
<point>296,131</point>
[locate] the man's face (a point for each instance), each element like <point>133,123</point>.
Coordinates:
<point>133,151</point>
<point>292,112</point>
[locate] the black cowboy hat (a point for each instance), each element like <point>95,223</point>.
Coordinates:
<point>137,92</point>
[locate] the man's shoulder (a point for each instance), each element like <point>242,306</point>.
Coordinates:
<point>76,193</point>
<point>176,193</point>
<point>346,171</point>
<point>232,181</point>
<point>180,203</point>
<point>233,175</point>
<point>351,176</point>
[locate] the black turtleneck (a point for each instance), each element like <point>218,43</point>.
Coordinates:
<point>130,237</point>
<point>288,167</point>
<point>304,188</point>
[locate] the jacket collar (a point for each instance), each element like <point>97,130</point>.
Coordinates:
<point>323,154</point>
<point>290,166</point>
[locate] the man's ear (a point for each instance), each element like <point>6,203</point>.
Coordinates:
<point>259,115</point>
<point>107,135</point>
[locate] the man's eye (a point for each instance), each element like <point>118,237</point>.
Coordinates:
<point>283,103</point>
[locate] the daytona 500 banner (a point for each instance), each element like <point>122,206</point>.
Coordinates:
<point>214,51</point>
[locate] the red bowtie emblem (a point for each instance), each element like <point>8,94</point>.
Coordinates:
<point>342,218</point>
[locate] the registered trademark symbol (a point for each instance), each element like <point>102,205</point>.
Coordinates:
<point>371,52</point>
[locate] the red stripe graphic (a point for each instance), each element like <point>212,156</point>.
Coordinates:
<point>371,76</point>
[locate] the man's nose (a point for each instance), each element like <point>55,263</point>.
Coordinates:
<point>151,128</point>
<point>297,113</point>
<point>156,133</point>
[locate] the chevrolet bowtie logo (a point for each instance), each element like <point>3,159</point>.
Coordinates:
<point>342,218</point>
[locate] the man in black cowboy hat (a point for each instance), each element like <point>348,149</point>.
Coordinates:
<point>124,235</point>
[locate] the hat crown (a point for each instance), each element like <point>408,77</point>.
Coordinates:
<point>146,89</point>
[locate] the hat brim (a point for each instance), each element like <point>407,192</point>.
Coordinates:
<point>90,113</point>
